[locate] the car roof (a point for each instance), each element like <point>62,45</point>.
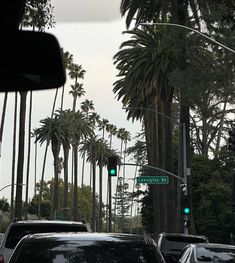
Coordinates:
<point>86,236</point>
<point>182,235</point>
<point>48,222</point>
<point>212,245</point>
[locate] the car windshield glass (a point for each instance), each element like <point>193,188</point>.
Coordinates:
<point>215,255</point>
<point>88,252</point>
<point>18,231</point>
<point>178,243</point>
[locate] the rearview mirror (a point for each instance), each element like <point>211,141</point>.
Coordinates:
<point>30,61</point>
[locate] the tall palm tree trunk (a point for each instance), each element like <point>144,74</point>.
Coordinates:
<point>20,165</point>
<point>54,207</point>
<point>100,196</point>
<point>162,188</point>
<point>13,158</point>
<point>171,196</point>
<point>66,171</point>
<point>75,184</point>
<point>44,160</point>
<point>3,120</point>
<point>29,153</point>
<point>93,216</point>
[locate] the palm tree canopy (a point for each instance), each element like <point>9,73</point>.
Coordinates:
<point>77,90</point>
<point>144,10</point>
<point>82,128</point>
<point>76,71</point>
<point>51,130</point>
<point>144,63</point>
<point>87,105</point>
<point>97,150</point>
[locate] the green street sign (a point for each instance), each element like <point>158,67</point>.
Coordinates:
<point>152,180</point>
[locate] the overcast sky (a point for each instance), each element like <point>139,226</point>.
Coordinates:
<point>86,10</point>
<point>92,40</point>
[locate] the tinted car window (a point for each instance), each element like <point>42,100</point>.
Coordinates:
<point>18,231</point>
<point>215,254</point>
<point>88,252</point>
<point>178,243</point>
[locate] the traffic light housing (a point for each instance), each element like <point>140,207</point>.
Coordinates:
<point>231,140</point>
<point>112,165</point>
<point>186,205</point>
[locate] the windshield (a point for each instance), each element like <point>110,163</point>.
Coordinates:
<point>88,252</point>
<point>18,231</point>
<point>215,255</point>
<point>176,244</point>
<point>141,137</point>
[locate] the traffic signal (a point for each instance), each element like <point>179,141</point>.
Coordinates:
<point>186,205</point>
<point>112,166</point>
<point>231,140</point>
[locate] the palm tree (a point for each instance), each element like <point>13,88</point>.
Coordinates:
<point>190,13</point>
<point>124,136</point>
<point>94,118</point>
<point>29,154</point>
<point>81,129</point>
<point>21,147</point>
<point>77,91</point>
<point>68,59</point>
<point>51,130</point>
<point>86,106</point>
<point>97,151</point>
<point>66,118</point>
<point>13,158</point>
<point>102,126</point>
<point>76,72</point>
<point>144,64</point>
<point>112,129</point>
<point>3,119</point>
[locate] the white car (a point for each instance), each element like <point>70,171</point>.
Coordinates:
<point>19,229</point>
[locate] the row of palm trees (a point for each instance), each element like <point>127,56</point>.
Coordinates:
<point>75,131</point>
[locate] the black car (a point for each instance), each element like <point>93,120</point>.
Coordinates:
<point>86,248</point>
<point>172,244</point>
<point>211,252</point>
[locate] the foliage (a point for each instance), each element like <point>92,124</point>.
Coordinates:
<point>4,221</point>
<point>212,199</point>
<point>122,201</point>
<point>39,14</point>
<point>84,201</point>
<point>4,205</point>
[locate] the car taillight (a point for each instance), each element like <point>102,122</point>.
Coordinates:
<point>1,259</point>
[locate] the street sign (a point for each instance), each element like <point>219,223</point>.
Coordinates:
<point>152,180</point>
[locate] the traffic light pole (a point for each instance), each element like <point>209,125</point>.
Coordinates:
<point>185,174</point>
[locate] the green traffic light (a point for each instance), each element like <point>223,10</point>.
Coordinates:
<point>186,210</point>
<point>112,171</point>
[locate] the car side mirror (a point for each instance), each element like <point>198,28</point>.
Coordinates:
<point>30,61</point>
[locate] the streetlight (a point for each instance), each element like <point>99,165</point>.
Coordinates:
<point>193,30</point>
<point>9,186</point>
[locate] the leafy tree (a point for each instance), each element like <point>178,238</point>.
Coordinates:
<point>84,204</point>
<point>212,198</point>
<point>4,205</point>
